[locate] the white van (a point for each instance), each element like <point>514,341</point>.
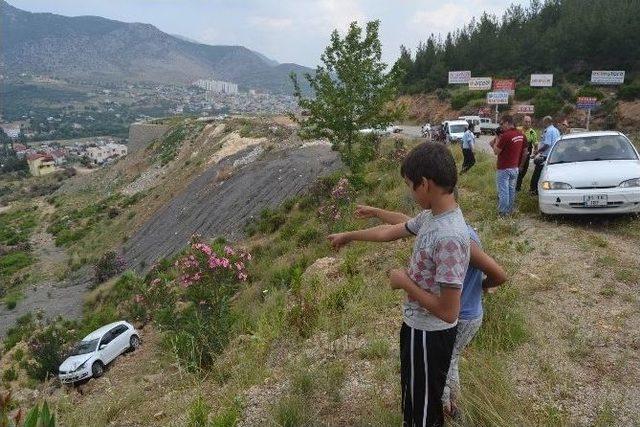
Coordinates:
<point>454,129</point>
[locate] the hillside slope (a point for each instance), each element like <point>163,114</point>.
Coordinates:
<point>90,48</point>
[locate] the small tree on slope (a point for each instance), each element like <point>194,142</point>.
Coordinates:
<point>352,92</point>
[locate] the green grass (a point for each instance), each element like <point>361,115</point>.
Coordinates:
<point>14,261</point>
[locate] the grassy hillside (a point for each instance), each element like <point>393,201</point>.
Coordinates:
<point>311,337</point>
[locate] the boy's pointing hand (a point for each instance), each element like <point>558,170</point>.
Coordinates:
<point>364,211</point>
<point>338,240</point>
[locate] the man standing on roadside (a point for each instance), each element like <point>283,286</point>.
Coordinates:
<point>532,140</point>
<point>468,140</point>
<point>549,137</point>
<point>511,148</point>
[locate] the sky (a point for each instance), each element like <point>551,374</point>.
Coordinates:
<point>284,30</point>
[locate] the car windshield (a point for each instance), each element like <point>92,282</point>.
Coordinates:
<point>84,347</point>
<point>457,128</point>
<point>592,148</point>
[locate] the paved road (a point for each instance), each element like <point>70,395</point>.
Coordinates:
<point>482,142</point>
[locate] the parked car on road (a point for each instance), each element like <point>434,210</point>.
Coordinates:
<point>487,126</point>
<point>591,173</point>
<point>454,129</point>
<point>90,356</point>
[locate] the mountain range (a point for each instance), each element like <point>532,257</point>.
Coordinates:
<point>96,49</point>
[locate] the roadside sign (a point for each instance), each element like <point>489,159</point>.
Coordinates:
<point>586,103</point>
<point>524,109</point>
<point>497,98</point>
<point>541,80</point>
<point>480,83</point>
<point>459,77</point>
<point>607,77</point>
<point>505,85</point>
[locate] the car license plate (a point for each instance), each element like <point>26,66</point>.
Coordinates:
<point>596,200</point>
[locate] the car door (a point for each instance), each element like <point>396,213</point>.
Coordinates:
<point>120,339</point>
<point>106,348</point>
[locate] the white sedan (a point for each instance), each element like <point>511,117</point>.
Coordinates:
<point>96,350</point>
<point>591,173</point>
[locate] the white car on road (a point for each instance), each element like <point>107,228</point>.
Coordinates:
<point>96,350</point>
<point>591,173</point>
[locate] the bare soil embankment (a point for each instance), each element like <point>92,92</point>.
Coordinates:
<point>222,200</point>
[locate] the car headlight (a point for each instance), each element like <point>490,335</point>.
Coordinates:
<point>82,365</point>
<point>635,182</point>
<point>552,185</point>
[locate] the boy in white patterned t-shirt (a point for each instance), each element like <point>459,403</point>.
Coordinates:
<point>433,280</point>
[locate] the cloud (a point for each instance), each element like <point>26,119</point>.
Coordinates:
<point>442,19</point>
<point>337,14</point>
<point>271,23</point>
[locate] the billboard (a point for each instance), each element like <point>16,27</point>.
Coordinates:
<point>459,77</point>
<point>504,85</point>
<point>497,98</point>
<point>607,77</point>
<point>480,83</point>
<point>525,109</point>
<point>541,80</point>
<point>586,103</point>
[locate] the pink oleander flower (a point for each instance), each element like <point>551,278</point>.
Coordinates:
<point>224,262</point>
<point>239,265</point>
<point>242,276</point>
<point>229,250</point>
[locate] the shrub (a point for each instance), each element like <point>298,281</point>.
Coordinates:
<point>191,301</point>
<point>442,94</point>
<point>108,266</point>
<point>524,93</point>
<point>547,102</point>
<point>47,348</point>
<point>339,205</point>
<point>9,375</point>
<point>629,92</point>
<point>589,91</point>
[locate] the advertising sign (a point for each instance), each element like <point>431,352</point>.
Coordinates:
<point>541,80</point>
<point>480,83</point>
<point>506,85</point>
<point>524,109</point>
<point>607,77</point>
<point>497,98</point>
<point>586,103</point>
<point>459,77</point>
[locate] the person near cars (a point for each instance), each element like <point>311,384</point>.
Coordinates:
<point>532,140</point>
<point>468,141</point>
<point>564,127</point>
<point>511,148</point>
<point>549,137</point>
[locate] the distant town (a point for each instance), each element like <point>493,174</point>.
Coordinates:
<point>77,109</point>
<point>86,125</point>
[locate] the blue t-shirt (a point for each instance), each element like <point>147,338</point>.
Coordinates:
<point>471,298</point>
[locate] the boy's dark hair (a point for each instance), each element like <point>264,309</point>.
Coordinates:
<point>507,119</point>
<point>430,161</point>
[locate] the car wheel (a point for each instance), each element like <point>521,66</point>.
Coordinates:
<point>134,342</point>
<point>97,369</point>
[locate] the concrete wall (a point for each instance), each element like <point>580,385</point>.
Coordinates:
<point>141,135</point>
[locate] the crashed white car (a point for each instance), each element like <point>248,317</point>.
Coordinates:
<point>591,173</point>
<point>96,350</point>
